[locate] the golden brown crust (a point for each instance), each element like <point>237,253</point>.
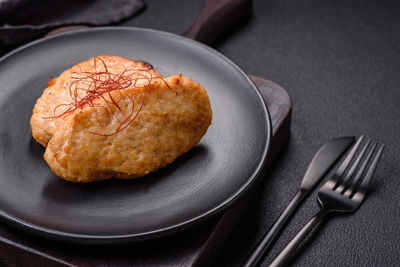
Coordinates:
<point>57,93</point>
<point>171,121</point>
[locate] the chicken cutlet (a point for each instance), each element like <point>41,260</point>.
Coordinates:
<point>129,133</point>
<point>71,86</point>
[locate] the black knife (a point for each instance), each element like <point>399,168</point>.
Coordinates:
<point>322,162</point>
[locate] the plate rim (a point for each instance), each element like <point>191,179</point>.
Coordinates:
<point>147,235</point>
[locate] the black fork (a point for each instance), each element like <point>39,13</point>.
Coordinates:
<point>343,192</point>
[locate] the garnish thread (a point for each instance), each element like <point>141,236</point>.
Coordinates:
<point>86,87</point>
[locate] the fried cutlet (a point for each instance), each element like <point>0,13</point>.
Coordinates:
<point>142,130</point>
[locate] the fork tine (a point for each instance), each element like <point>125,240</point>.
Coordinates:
<point>349,191</point>
<point>368,176</point>
<point>346,162</point>
<point>345,181</point>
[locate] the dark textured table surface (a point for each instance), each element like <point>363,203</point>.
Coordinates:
<point>340,61</point>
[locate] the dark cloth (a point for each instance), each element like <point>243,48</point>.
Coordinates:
<point>25,20</point>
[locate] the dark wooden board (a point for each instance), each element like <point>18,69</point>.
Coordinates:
<point>196,246</point>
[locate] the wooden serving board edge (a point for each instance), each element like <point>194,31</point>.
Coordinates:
<point>279,105</point>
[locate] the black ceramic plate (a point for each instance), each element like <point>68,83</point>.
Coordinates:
<point>199,184</point>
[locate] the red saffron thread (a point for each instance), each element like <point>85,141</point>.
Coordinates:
<point>86,87</point>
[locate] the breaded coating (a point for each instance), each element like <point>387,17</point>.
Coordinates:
<point>147,129</point>
<point>61,90</point>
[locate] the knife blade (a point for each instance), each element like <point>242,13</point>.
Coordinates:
<point>321,163</point>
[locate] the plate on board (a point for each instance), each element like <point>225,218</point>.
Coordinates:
<point>197,185</point>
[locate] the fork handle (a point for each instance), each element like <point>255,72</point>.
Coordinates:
<point>270,236</point>
<point>289,250</point>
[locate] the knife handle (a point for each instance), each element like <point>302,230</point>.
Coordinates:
<point>270,236</point>
<point>216,17</point>
<point>283,258</point>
